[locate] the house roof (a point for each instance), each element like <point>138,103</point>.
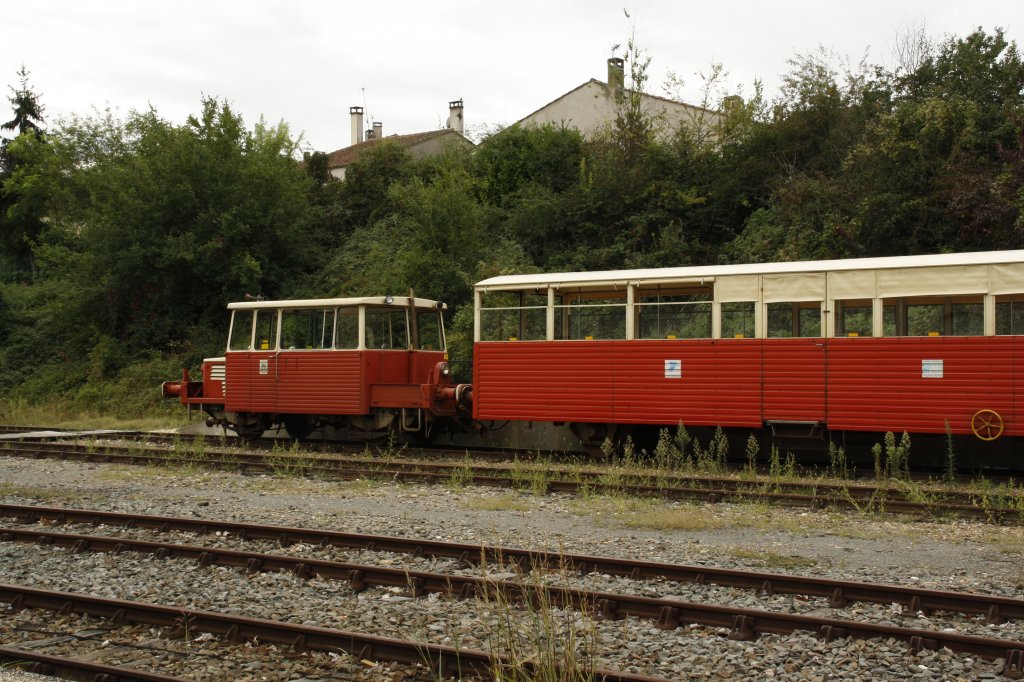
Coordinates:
<point>343,157</point>
<point>594,81</point>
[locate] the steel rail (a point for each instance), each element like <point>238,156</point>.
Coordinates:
<point>718,484</point>
<point>994,608</point>
<point>741,623</point>
<point>441,659</point>
<point>605,604</point>
<point>432,472</point>
<point>76,668</point>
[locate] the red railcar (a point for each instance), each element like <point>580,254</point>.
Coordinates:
<point>923,344</point>
<point>363,366</point>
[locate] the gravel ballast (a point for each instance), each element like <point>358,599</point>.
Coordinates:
<point>940,555</point>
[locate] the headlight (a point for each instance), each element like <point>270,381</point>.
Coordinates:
<point>445,369</point>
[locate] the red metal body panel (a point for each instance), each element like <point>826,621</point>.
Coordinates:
<point>719,382</point>
<point>320,382</point>
<point>328,381</point>
<point>794,379</point>
<point>878,384</point>
<point>858,384</point>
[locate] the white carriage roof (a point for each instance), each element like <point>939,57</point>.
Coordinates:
<point>559,279</point>
<point>398,302</point>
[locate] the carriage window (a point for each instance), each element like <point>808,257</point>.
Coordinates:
<point>428,330</point>
<point>794,319</point>
<point>307,328</point>
<point>1010,315</point>
<point>934,316</point>
<point>386,328</point>
<point>241,330</point>
<point>347,335</point>
<point>513,316</point>
<point>674,313</point>
<point>853,317</point>
<point>738,320</point>
<point>266,329</point>
<point>593,315</point>
<point>968,316</point>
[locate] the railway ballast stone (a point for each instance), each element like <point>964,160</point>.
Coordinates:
<point>947,555</point>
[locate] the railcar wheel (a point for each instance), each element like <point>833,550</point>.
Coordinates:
<point>298,427</point>
<point>987,424</point>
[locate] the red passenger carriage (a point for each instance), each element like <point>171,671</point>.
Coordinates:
<point>923,344</point>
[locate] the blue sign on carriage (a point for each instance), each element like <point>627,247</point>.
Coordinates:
<point>931,369</point>
<point>673,369</point>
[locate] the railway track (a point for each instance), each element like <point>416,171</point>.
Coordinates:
<point>545,478</point>
<point>665,612</point>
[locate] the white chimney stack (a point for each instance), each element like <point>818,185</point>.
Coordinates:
<point>455,116</point>
<point>356,114</point>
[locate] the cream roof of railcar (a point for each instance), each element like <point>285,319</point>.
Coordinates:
<point>709,272</point>
<point>398,302</point>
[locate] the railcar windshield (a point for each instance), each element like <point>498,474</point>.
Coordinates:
<point>386,328</point>
<point>307,328</point>
<point>240,336</point>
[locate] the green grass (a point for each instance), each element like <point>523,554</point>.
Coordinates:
<point>501,503</point>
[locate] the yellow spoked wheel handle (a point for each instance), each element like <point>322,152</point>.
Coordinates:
<point>987,424</point>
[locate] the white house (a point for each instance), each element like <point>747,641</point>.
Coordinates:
<point>591,108</point>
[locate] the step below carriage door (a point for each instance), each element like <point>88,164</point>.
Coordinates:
<point>793,365</point>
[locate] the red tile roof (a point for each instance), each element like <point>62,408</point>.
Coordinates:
<point>343,157</point>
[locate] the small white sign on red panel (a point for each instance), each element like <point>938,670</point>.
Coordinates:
<point>264,366</point>
<point>931,369</point>
<point>673,369</point>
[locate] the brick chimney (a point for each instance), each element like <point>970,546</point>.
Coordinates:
<point>616,73</point>
<point>356,114</point>
<point>455,116</point>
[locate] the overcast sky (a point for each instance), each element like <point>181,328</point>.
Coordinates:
<point>307,61</point>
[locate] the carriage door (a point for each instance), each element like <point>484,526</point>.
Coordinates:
<point>793,364</point>
<point>262,365</point>
<point>388,357</point>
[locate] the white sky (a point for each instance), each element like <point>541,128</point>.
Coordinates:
<point>308,61</point>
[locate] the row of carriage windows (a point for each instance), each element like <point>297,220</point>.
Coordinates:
<point>687,314</point>
<point>334,328</point>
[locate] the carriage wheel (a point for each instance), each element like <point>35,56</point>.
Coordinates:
<point>987,424</point>
<point>298,427</point>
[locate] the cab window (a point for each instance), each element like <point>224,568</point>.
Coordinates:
<point>386,328</point>
<point>428,330</point>
<point>307,328</point>
<point>266,330</point>
<point>348,328</point>
<point>241,330</point>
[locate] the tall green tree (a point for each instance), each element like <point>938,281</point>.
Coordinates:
<point>19,227</point>
<point>159,225</point>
